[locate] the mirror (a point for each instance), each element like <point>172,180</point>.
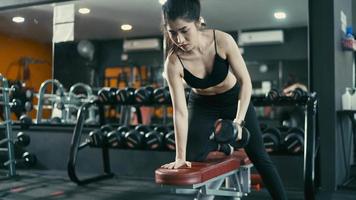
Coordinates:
<point>97,57</point>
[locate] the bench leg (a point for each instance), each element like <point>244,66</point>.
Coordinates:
<point>215,185</point>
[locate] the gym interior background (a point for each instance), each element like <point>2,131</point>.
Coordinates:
<point>307,47</point>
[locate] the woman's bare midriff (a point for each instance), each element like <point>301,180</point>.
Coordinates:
<point>222,87</point>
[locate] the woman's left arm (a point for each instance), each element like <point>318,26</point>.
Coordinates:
<point>239,69</point>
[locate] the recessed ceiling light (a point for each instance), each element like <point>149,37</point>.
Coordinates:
<point>84,11</point>
<point>18,19</point>
<point>162,1</point>
<point>126,27</point>
<point>280,15</point>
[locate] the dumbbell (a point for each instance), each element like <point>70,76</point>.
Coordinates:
<point>15,89</point>
<point>272,139</point>
<point>169,141</point>
<point>144,95</point>
<point>106,129</point>
<point>134,139</point>
<point>28,106</point>
<point>15,105</point>
<point>107,95</point>
<point>125,96</point>
<point>96,138</point>
<point>161,95</point>
<point>294,140</point>
<point>22,139</point>
<point>55,120</point>
<point>25,121</point>
<point>154,140</point>
<point>225,132</point>
<point>116,138</point>
<point>273,95</point>
<point>298,94</point>
<point>27,159</point>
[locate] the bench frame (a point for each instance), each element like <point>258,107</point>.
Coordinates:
<point>237,185</point>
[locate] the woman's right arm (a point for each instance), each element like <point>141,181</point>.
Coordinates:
<point>173,73</point>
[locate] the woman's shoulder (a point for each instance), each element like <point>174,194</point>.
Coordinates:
<point>171,61</point>
<point>223,38</point>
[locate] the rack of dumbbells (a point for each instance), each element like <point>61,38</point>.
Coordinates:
<point>124,135</point>
<point>293,140</point>
<point>150,137</point>
<point>8,145</point>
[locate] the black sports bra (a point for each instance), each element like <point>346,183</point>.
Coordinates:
<point>217,75</point>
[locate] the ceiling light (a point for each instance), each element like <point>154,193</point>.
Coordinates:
<point>280,15</point>
<point>126,27</point>
<point>18,19</point>
<point>162,1</point>
<point>84,11</point>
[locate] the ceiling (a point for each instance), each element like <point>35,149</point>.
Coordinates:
<point>106,16</point>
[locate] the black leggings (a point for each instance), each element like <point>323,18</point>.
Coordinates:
<point>205,110</point>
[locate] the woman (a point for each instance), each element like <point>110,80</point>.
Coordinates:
<point>210,62</point>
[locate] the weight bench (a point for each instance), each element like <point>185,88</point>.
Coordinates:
<point>205,179</point>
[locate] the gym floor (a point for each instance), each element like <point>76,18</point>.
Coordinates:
<point>46,185</point>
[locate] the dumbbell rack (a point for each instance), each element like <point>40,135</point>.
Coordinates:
<point>310,145</point>
<point>8,125</point>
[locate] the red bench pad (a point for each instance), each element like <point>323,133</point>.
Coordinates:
<point>215,165</point>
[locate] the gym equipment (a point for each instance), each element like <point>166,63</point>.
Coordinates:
<point>169,141</point>
<point>273,95</point>
<point>161,95</point>
<point>144,95</point>
<point>25,121</point>
<point>55,120</point>
<point>107,95</point>
<point>28,159</point>
<point>15,105</point>
<point>225,131</point>
<point>272,139</point>
<point>227,149</point>
<point>205,179</point>
<point>298,94</point>
<point>125,96</point>
<point>294,140</point>
<point>22,139</point>
<point>96,138</point>
<point>135,138</point>
<point>79,100</point>
<point>7,123</point>
<point>116,138</point>
<point>154,140</point>
<point>41,98</point>
<point>77,145</point>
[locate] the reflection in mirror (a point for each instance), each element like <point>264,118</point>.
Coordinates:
<point>26,52</point>
<point>102,54</point>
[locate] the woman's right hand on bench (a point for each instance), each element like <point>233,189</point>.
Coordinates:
<point>177,164</point>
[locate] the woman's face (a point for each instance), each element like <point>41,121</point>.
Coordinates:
<point>183,34</point>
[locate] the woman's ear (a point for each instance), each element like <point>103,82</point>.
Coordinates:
<point>202,22</point>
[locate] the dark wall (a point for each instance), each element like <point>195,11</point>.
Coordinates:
<point>330,72</point>
<point>11,4</point>
<point>294,47</point>
<point>70,67</point>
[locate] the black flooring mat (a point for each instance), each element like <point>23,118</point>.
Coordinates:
<point>48,185</point>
